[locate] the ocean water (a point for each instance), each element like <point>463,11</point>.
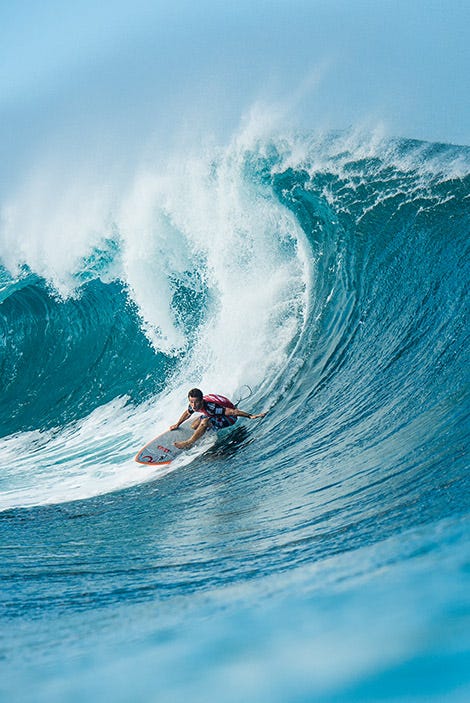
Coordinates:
<point>320,554</point>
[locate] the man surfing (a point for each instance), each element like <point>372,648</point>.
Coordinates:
<point>217,412</point>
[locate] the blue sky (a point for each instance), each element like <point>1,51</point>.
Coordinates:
<point>129,65</point>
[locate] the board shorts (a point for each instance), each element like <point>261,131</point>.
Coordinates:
<point>218,423</point>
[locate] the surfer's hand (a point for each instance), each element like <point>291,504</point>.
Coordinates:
<point>255,417</point>
<point>174,427</point>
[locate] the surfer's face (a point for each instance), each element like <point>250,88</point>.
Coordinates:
<point>195,403</point>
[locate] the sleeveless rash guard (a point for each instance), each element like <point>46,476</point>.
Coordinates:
<point>214,408</point>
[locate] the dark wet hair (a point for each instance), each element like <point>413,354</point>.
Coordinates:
<point>195,393</point>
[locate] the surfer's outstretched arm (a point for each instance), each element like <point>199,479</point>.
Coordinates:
<point>241,413</point>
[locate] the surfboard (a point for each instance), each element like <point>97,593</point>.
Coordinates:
<point>162,450</point>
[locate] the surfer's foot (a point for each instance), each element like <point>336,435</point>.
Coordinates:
<point>182,445</point>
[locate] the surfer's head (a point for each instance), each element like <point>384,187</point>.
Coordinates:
<point>195,398</point>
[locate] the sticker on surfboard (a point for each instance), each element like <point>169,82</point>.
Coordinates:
<point>162,450</point>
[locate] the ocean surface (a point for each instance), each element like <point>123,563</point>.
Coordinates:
<point>320,554</point>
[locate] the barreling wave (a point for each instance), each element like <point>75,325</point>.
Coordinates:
<point>328,273</point>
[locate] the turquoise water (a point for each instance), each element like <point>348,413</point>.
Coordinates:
<point>320,554</point>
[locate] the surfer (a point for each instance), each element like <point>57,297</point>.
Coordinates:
<point>217,412</point>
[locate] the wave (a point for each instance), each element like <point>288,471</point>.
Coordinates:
<point>320,270</point>
<point>329,273</point>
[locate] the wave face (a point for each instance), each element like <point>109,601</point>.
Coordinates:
<point>320,554</point>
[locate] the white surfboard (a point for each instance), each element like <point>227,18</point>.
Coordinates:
<point>162,450</point>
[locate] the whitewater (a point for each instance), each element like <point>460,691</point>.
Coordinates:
<point>318,554</point>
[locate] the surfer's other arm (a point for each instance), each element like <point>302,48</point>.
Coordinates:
<point>241,413</point>
<point>200,426</point>
<point>183,417</point>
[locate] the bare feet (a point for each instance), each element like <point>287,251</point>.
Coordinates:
<point>182,445</point>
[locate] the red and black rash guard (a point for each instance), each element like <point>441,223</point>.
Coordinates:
<point>214,408</point>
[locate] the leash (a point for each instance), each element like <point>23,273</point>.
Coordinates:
<point>245,397</point>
